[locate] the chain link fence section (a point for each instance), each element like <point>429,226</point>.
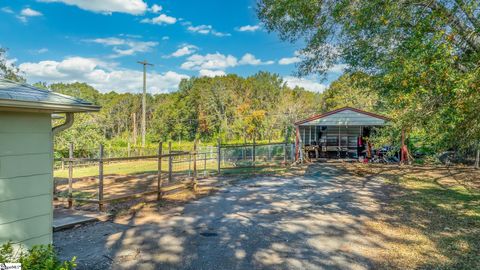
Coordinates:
<point>255,155</point>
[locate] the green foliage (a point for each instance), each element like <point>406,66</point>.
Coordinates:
<point>36,258</point>
<point>422,58</point>
<point>230,107</point>
<point>351,90</point>
<point>8,70</point>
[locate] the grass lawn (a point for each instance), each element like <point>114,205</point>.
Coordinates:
<point>432,218</point>
<point>151,166</point>
<point>131,167</point>
<point>449,215</point>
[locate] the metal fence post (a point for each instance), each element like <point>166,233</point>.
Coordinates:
<point>189,165</point>
<point>269,155</point>
<point>70,176</point>
<point>100,179</point>
<point>219,153</point>
<point>159,176</point>
<point>170,159</point>
<point>205,165</point>
<point>194,180</point>
<point>253,151</point>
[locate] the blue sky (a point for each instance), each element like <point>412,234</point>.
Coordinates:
<point>99,42</point>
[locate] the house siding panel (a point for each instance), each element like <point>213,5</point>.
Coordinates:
<point>26,180</point>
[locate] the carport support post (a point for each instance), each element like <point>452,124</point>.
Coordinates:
<point>100,179</point>
<point>219,153</point>
<point>159,176</point>
<point>170,162</point>
<point>70,176</point>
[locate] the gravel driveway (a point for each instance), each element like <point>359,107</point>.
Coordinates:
<point>309,220</point>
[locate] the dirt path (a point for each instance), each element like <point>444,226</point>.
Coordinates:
<point>313,220</point>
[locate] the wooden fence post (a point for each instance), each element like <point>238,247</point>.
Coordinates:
<point>170,159</point>
<point>100,179</point>
<point>70,176</point>
<point>219,153</point>
<point>194,180</point>
<point>159,175</point>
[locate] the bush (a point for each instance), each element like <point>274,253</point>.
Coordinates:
<point>41,257</point>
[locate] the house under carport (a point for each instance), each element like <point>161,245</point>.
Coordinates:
<point>341,133</point>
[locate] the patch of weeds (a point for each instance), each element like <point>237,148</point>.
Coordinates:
<point>37,257</point>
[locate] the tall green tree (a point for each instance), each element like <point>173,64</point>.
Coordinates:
<point>422,56</point>
<point>351,90</point>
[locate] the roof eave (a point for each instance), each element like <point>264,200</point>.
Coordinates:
<point>28,106</point>
<point>318,116</point>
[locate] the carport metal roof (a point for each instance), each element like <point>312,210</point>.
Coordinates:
<point>22,97</point>
<point>346,116</point>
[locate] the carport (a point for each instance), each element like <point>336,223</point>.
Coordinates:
<point>340,133</point>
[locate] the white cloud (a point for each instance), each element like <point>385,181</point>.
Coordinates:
<point>7,10</point>
<point>165,38</point>
<point>39,51</point>
<point>211,73</point>
<point>155,8</point>
<point>289,60</point>
<point>125,47</point>
<point>42,50</point>
<point>185,49</point>
<point>308,84</point>
<point>210,61</point>
<point>220,61</point>
<point>250,59</point>
<point>100,75</point>
<point>249,28</point>
<point>205,30</point>
<point>28,12</point>
<point>25,14</point>
<point>134,7</point>
<point>161,19</point>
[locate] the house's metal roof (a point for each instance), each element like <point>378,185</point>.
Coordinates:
<point>23,97</point>
<point>346,116</point>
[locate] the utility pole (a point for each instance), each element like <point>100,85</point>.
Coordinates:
<point>144,99</point>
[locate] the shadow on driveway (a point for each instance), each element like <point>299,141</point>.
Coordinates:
<point>310,220</point>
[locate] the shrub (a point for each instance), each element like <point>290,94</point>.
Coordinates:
<point>40,257</point>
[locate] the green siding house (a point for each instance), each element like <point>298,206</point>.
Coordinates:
<point>26,156</point>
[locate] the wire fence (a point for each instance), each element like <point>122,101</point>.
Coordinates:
<point>105,176</point>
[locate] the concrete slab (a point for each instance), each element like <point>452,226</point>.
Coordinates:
<point>68,218</point>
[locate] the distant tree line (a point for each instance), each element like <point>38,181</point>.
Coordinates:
<point>232,108</point>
